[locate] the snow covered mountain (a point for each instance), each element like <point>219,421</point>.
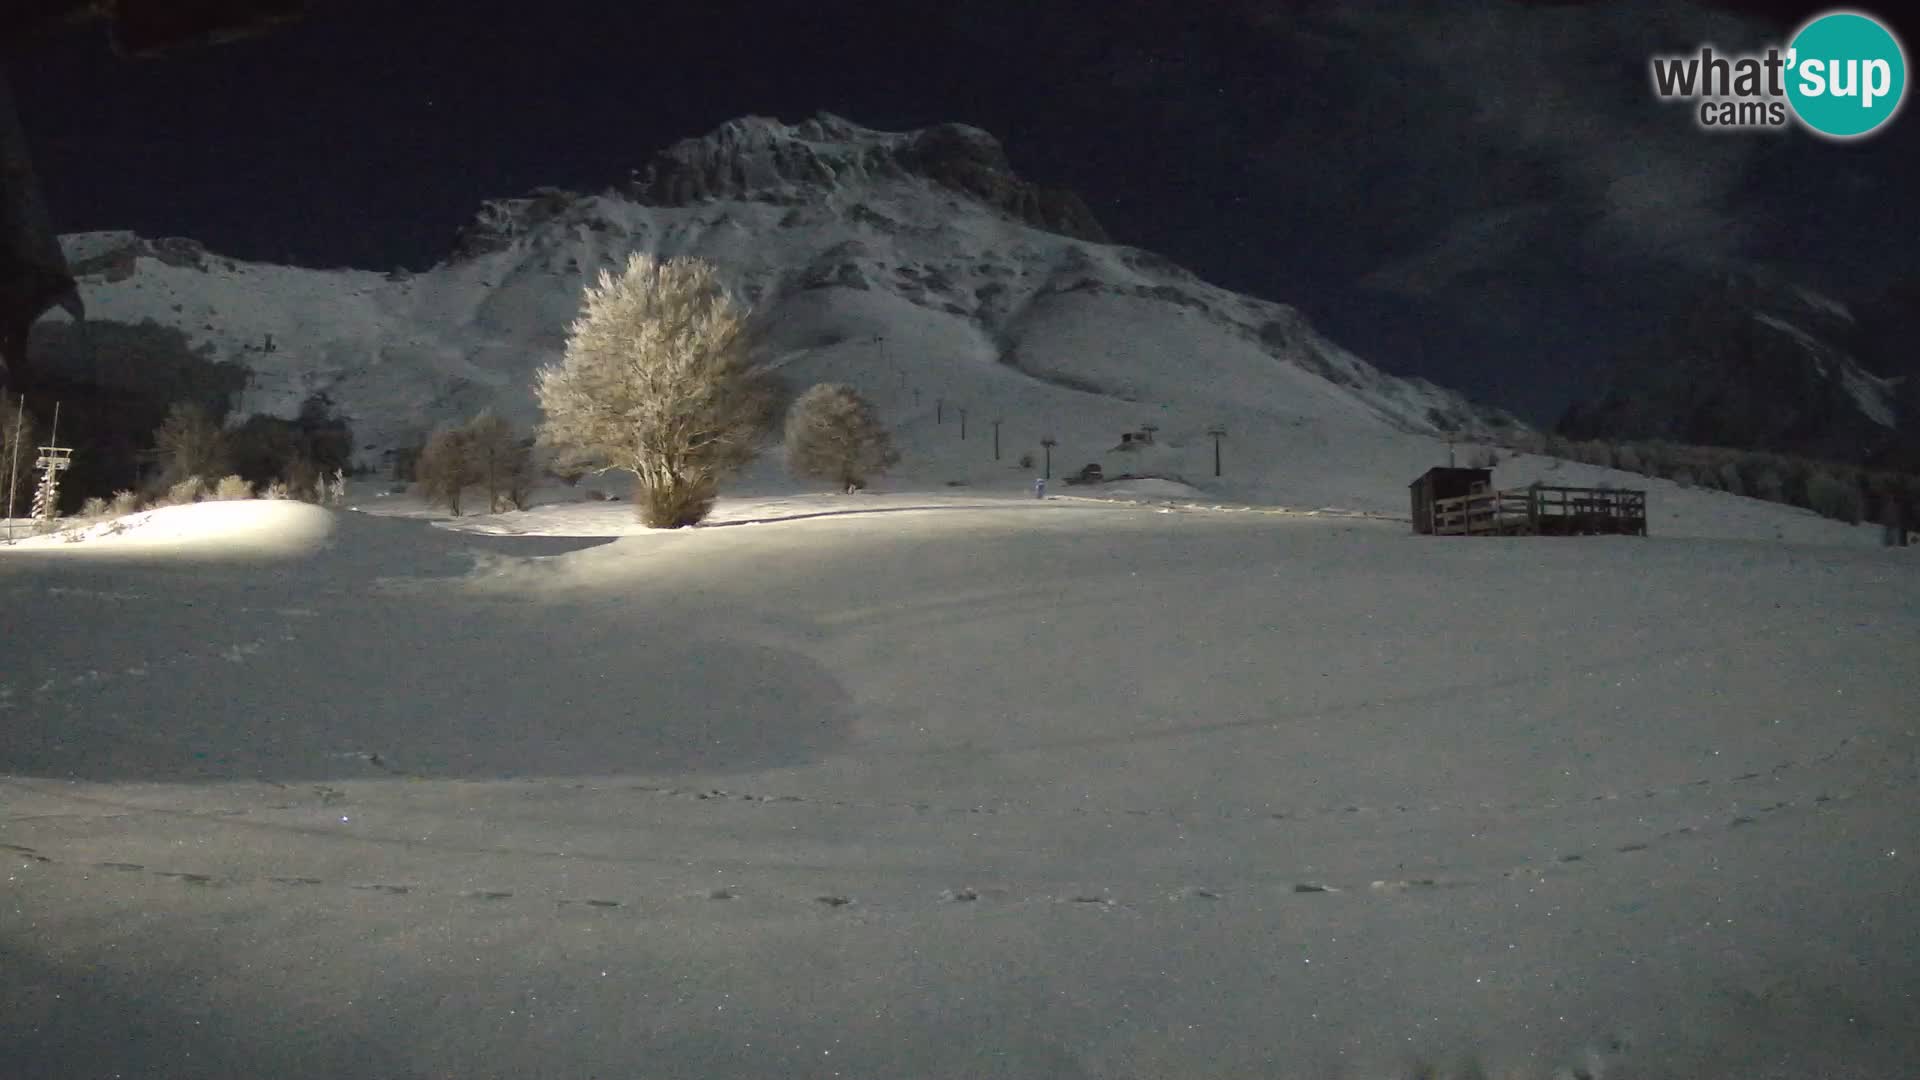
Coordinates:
<point>1756,362</point>
<point>915,265</point>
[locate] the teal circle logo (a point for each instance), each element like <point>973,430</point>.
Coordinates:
<point>1846,74</point>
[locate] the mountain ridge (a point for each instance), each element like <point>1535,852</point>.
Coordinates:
<point>871,271</point>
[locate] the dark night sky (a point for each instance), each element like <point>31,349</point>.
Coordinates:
<point>1487,194</point>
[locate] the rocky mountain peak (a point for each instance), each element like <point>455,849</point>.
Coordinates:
<point>760,159</point>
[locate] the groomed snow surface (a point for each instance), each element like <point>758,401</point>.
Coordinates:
<point>960,784</point>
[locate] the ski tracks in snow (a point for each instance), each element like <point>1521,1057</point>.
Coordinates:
<point>1384,885</point>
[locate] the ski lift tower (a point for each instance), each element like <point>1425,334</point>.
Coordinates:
<point>54,460</point>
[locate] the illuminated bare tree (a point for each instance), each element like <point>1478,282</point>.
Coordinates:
<point>657,381</point>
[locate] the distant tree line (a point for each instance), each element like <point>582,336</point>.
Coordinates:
<point>1848,493</point>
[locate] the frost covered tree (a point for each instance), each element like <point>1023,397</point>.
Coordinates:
<point>834,434</point>
<point>188,443</point>
<point>657,381</point>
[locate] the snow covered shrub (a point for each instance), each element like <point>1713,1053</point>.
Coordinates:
<point>94,509</point>
<point>1832,496</point>
<point>446,468</point>
<point>276,489</point>
<point>232,488</point>
<point>834,434</point>
<point>124,503</point>
<point>333,489</point>
<point>188,445</point>
<point>184,491</point>
<point>657,381</point>
<point>303,478</point>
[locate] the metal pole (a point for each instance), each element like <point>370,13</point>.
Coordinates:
<point>996,440</point>
<point>963,425</point>
<point>13,467</point>
<point>1216,455</point>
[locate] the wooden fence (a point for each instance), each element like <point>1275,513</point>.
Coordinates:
<point>1543,511</point>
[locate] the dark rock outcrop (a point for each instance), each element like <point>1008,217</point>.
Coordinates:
<point>501,221</point>
<point>971,161</point>
<point>1753,363</point>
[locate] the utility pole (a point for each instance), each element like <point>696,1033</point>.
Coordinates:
<point>13,466</point>
<point>939,410</point>
<point>1218,433</point>
<point>963,425</point>
<point>996,439</point>
<point>1049,444</point>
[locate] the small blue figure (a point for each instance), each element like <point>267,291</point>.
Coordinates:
<point>1040,487</point>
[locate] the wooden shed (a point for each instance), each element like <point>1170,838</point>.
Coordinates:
<point>1444,482</point>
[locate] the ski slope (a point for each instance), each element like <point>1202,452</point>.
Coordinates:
<point>955,784</point>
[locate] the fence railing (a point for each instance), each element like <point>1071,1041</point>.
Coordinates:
<point>1542,509</point>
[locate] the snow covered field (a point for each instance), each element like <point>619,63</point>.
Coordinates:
<point>959,784</point>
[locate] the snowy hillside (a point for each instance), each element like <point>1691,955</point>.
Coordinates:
<point>914,265</point>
